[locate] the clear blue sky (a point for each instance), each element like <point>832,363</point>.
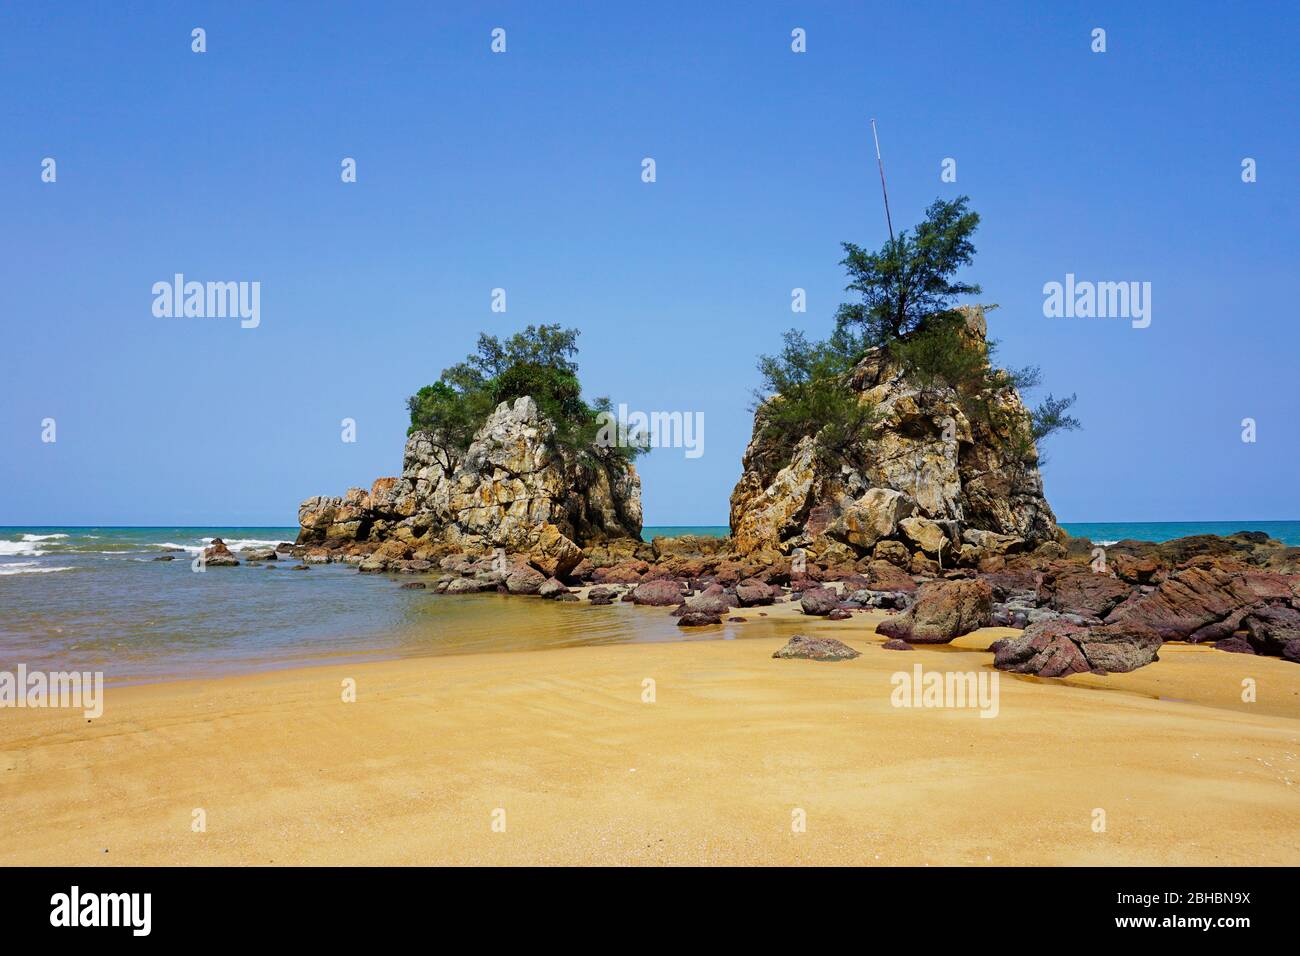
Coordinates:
<point>522,171</point>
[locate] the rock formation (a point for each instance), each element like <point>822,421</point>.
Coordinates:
<point>513,488</point>
<point>947,487</point>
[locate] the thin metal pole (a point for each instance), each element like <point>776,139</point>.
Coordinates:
<point>881,163</point>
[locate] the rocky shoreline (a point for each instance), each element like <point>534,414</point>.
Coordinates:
<point>1082,608</point>
<point>936,516</point>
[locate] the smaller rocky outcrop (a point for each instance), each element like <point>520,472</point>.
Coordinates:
<point>816,649</point>
<point>217,555</point>
<point>1198,602</point>
<point>1060,648</point>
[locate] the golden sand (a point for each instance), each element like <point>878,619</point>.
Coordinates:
<point>560,746</point>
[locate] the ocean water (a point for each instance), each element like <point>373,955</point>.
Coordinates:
<point>96,599</point>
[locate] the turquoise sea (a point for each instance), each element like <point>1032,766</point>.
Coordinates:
<point>96,599</point>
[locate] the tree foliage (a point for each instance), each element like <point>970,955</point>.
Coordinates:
<point>537,362</point>
<point>911,277</point>
<point>805,393</point>
<point>905,307</point>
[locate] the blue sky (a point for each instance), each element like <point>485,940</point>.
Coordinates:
<point>522,171</point>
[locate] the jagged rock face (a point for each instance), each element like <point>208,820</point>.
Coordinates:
<point>510,489</point>
<point>928,475</point>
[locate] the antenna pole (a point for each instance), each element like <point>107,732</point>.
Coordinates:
<point>881,164</point>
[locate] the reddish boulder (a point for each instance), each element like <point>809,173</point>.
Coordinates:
<point>752,595</point>
<point>1269,629</point>
<point>659,593</point>
<point>1045,649</point>
<point>1205,592</point>
<point>1077,589</point>
<point>819,601</point>
<point>1058,648</point>
<point>698,619</point>
<point>887,576</point>
<point>943,610</point>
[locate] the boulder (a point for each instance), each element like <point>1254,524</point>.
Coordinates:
<point>714,604</point>
<point>894,552</point>
<point>894,644</point>
<point>1201,594</point>
<point>1234,645</point>
<point>468,586</point>
<point>886,576</point>
<point>819,601</point>
<point>602,595</point>
<point>816,649</point>
<point>552,587</point>
<point>1077,589</point>
<point>657,593</point>
<point>943,610</point>
<point>928,537</point>
<point>698,619</point>
<point>217,555</point>
<point>1060,648</point>
<point>1121,647</point>
<point>752,595</point>
<point>1044,649</point>
<point>525,580</point>
<point>258,554</point>
<point>871,518</point>
<point>1270,628</point>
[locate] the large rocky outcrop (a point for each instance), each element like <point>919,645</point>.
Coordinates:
<point>949,487</point>
<point>513,488</point>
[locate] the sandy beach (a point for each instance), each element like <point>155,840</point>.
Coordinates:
<point>734,747</point>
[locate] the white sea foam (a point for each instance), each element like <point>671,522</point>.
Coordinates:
<point>240,544</point>
<point>28,567</point>
<point>1106,544</point>
<point>172,546</point>
<point>42,537</point>
<point>18,547</point>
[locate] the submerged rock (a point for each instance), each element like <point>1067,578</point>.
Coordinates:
<point>696,618</point>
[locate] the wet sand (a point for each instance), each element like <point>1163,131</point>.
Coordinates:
<point>734,748</point>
